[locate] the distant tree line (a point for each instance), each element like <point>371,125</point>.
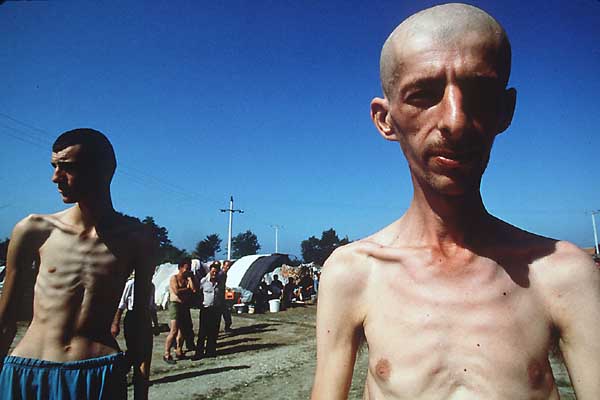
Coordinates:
<point>318,250</point>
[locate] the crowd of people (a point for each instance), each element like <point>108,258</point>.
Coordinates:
<point>206,291</point>
<point>303,290</point>
<point>189,289</point>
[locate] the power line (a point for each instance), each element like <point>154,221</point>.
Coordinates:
<point>135,175</point>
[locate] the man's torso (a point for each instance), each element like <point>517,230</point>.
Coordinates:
<point>477,329</point>
<point>77,290</point>
<point>210,291</point>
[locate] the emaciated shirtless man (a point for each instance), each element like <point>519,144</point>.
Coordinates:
<point>452,302</point>
<point>84,255</point>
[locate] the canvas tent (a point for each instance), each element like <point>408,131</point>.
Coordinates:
<point>2,273</point>
<point>247,272</point>
<point>239,268</point>
<point>161,278</point>
<point>260,267</point>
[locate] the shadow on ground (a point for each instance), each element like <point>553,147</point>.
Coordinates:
<point>247,347</point>
<point>246,330</point>
<point>193,374</point>
<point>225,343</point>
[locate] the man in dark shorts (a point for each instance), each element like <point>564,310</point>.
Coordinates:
<point>83,254</point>
<point>182,287</point>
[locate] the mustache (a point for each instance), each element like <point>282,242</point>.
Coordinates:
<point>469,146</point>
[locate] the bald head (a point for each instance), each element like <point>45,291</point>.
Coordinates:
<point>447,25</point>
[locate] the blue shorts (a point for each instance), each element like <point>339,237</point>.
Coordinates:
<point>96,378</point>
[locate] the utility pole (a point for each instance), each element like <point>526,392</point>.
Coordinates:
<point>276,236</point>
<point>230,210</point>
<point>595,233</point>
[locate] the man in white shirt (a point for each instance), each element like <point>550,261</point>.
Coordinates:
<point>126,303</point>
<point>210,314</point>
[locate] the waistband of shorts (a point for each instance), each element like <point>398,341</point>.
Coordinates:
<point>111,359</point>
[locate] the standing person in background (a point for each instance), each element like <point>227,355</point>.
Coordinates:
<point>222,278</point>
<point>126,303</point>
<point>210,314</point>
<point>84,255</point>
<point>181,289</point>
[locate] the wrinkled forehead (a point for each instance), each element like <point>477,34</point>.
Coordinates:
<point>68,154</point>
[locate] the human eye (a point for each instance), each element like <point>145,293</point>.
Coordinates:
<point>482,94</point>
<point>67,166</point>
<point>424,95</point>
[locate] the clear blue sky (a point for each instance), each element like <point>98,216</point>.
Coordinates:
<point>269,101</point>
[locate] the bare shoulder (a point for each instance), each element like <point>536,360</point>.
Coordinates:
<point>349,267</point>
<point>33,226</point>
<point>566,268</point>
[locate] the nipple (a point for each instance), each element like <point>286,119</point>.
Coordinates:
<point>52,270</point>
<point>383,369</point>
<point>536,374</point>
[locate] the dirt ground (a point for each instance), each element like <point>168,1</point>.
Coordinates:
<point>267,356</point>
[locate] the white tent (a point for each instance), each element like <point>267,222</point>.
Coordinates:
<point>239,268</point>
<point>2,273</point>
<point>161,278</point>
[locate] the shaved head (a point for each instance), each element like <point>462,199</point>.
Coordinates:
<point>447,25</point>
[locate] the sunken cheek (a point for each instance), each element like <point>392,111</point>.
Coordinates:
<point>415,125</point>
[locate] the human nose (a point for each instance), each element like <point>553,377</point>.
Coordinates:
<point>57,175</point>
<point>454,119</point>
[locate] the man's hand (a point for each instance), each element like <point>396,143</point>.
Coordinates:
<point>115,328</point>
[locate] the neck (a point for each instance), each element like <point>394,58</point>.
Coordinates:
<point>445,221</point>
<point>92,213</point>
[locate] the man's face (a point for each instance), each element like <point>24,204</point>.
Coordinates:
<point>226,266</point>
<point>445,109</point>
<point>69,174</point>
<point>213,273</point>
<point>185,269</point>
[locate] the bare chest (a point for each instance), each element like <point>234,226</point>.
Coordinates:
<point>72,264</point>
<point>431,333</point>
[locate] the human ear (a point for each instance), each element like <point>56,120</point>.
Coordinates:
<point>380,114</point>
<point>507,109</point>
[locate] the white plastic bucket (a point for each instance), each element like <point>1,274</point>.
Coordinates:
<point>240,308</point>
<point>274,305</point>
